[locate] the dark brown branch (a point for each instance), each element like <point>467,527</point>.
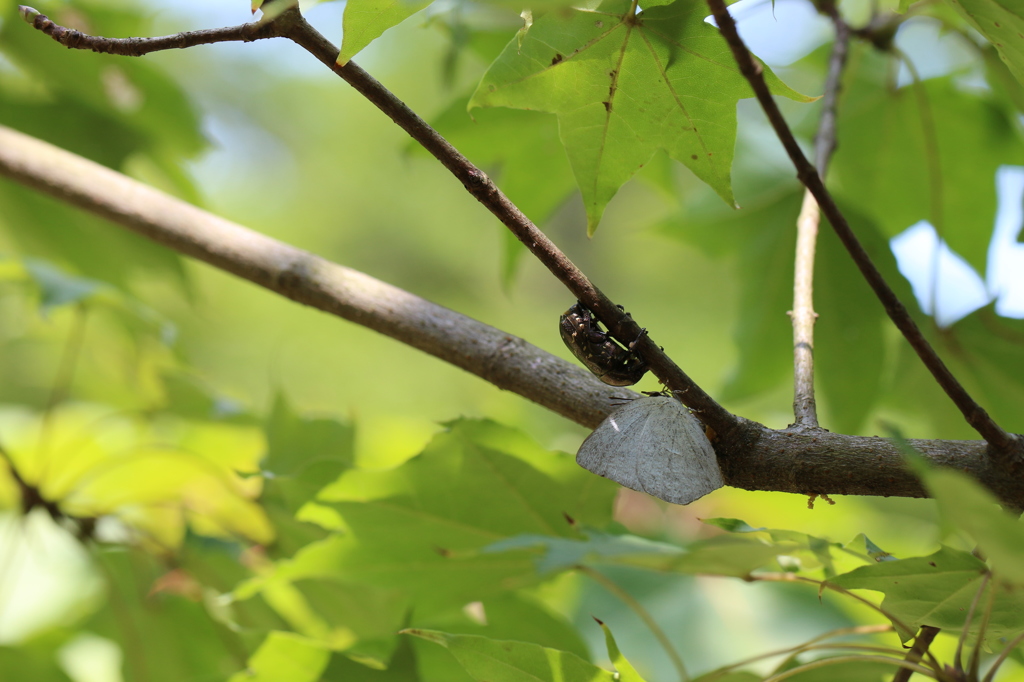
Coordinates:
<point>805,409</point>
<point>753,457</point>
<point>136,47</point>
<point>1007,449</point>
<point>921,644</point>
<point>291,24</point>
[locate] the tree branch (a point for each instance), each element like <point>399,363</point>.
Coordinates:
<point>290,24</point>
<point>924,638</point>
<point>802,316</point>
<point>1006,449</point>
<point>500,358</point>
<point>805,409</point>
<point>137,47</point>
<point>752,456</point>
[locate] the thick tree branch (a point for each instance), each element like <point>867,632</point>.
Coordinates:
<point>1007,449</point>
<point>292,25</point>
<point>752,456</point>
<point>805,409</point>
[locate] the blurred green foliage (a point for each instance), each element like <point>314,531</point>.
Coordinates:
<point>207,482</point>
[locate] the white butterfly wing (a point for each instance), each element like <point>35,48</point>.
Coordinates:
<point>681,466</point>
<point>656,446</point>
<point>611,450</point>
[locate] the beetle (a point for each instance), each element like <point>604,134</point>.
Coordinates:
<point>599,352</point>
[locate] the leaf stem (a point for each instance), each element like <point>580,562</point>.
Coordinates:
<point>637,608</point>
<point>975,661</point>
<point>822,662</point>
<point>841,632</point>
<point>823,584</point>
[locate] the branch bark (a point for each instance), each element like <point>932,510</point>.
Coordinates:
<point>752,456</point>
<point>1007,449</point>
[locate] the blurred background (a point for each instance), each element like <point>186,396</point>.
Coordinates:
<point>263,135</point>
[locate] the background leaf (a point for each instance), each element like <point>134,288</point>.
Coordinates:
<point>1002,23</point>
<point>937,590</point>
<point>497,661</point>
<point>623,88</point>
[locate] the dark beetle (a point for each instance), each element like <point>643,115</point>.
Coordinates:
<point>598,351</point>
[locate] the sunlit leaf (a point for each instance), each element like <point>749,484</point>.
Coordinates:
<point>624,85</point>
<point>156,477</point>
<point>1002,22</point>
<point>417,527</point>
<point>937,590</point>
<point>968,506</point>
<point>365,20</point>
<point>285,657</point>
<point>625,669</point>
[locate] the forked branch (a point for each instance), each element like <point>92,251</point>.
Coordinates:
<point>1006,449</point>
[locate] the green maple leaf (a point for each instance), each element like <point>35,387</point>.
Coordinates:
<point>624,84</point>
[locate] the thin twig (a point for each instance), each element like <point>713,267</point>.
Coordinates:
<point>1007,449</point>
<point>826,137</point>
<point>958,656</point>
<point>824,584</point>
<point>924,639</point>
<point>637,608</point>
<point>803,317</point>
<point>137,47</point>
<point>799,648</point>
<point>974,663</point>
<point>823,662</point>
<point>292,25</point>
<point>1007,650</point>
